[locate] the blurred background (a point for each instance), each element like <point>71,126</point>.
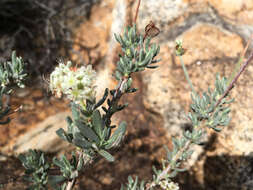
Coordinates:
<point>214,33</point>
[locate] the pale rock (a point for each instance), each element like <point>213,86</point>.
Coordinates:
<point>160,11</point>
<point>42,137</point>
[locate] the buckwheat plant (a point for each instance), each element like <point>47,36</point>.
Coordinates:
<point>91,131</point>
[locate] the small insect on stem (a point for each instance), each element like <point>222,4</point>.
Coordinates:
<point>151,30</point>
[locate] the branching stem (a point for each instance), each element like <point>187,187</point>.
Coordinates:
<point>71,183</point>
<point>241,59</point>
<point>167,170</point>
<point>86,160</point>
<point>118,93</point>
<point>114,102</point>
<point>235,79</point>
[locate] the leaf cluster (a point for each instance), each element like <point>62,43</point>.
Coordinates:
<point>36,169</point>
<point>11,73</point>
<point>171,166</point>
<point>205,108</point>
<point>69,170</point>
<point>138,54</point>
<point>89,130</point>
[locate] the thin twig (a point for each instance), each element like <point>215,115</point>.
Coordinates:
<point>241,59</point>
<point>137,11</point>
<point>235,79</point>
<point>119,91</point>
<point>45,7</point>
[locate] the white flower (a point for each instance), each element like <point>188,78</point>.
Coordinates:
<point>78,84</point>
<point>168,185</point>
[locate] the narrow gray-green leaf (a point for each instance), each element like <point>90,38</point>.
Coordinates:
<point>117,136</point>
<point>106,155</point>
<point>82,143</point>
<point>97,122</point>
<point>87,131</point>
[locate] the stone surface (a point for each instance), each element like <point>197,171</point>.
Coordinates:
<point>160,12</point>
<point>239,11</point>
<point>34,107</point>
<point>41,137</point>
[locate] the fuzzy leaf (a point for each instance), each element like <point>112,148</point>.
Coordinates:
<point>63,135</point>
<point>87,131</point>
<point>117,136</point>
<point>81,142</point>
<point>106,155</point>
<point>97,123</point>
<point>75,111</point>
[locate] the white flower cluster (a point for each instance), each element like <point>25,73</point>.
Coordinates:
<point>168,185</point>
<point>76,83</point>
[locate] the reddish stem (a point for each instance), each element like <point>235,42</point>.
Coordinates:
<point>235,79</point>
<point>137,11</point>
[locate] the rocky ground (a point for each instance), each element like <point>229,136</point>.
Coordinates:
<point>214,33</point>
